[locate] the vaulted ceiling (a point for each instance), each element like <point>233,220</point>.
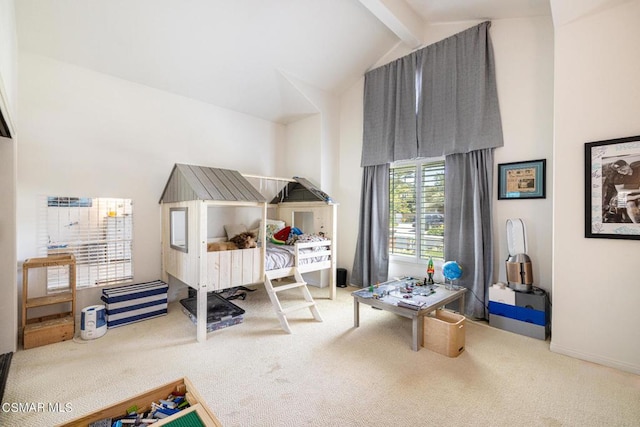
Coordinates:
<point>244,55</point>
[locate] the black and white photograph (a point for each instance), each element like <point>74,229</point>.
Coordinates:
<point>612,199</point>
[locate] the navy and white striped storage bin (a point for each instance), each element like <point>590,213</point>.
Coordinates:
<point>133,303</point>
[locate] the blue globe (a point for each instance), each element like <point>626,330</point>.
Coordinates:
<point>451,270</point>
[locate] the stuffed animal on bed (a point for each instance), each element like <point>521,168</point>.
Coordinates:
<point>245,240</point>
<point>221,246</point>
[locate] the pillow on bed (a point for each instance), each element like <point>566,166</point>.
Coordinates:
<point>233,230</point>
<point>283,234</point>
<point>272,227</point>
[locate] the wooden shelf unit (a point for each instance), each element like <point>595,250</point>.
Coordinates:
<point>37,331</point>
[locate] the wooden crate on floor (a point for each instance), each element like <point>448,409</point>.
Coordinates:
<point>49,331</point>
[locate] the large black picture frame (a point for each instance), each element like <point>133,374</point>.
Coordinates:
<point>612,185</point>
<point>522,180</point>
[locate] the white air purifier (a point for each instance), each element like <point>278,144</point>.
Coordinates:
<point>93,322</point>
<point>518,264</point>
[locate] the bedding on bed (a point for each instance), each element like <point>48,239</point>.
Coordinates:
<point>278,256</point>
<point>282,256</point>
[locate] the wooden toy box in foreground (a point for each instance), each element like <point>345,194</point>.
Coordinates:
<point>143,401</point>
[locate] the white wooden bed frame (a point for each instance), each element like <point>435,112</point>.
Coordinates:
<point>228,269</point>
<point>215,271</point>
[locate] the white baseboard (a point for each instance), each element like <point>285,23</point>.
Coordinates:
<point>623,366</point>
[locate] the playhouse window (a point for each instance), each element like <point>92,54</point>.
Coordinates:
<point>179,229</point>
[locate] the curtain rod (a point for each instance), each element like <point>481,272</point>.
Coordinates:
<point>422,46</point>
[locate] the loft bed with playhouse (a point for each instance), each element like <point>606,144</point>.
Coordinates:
<point>222,229</point>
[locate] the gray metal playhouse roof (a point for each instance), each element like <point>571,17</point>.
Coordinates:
<point>302,190</point>
<point>189,182</point>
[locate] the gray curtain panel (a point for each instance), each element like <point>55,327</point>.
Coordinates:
<point>458,108</point>
<point>371,262</point>
<point>440,100</point>
<point>468,231</point>
<point>389,132</point>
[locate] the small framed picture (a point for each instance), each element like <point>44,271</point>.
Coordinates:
<point>612,188</point>
<point>522,180</point>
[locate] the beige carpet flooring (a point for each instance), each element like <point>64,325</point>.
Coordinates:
<point>324,374</point>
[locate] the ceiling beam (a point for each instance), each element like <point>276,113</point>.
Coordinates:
<point>399,18</point>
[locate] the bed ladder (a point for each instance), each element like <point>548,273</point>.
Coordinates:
<point>282,312</point>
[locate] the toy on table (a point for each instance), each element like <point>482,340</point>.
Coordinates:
<point>430,271</point>
<point>451,271</point>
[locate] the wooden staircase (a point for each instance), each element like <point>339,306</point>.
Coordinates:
<point>282,312</point>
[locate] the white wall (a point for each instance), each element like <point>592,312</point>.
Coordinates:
<point>88,134</point>
<point>303,139</point>
<point>8,265</point>
<point>326,154</point>
<point>524,72</point>
<point>597,97</point>
<point>350,172</point>
<point>8,88</point>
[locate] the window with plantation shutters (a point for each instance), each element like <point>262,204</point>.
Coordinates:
<point>98,231</point>
<point>416,208</point>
